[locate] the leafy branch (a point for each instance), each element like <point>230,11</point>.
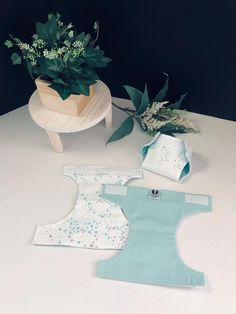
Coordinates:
<point>155,115</point>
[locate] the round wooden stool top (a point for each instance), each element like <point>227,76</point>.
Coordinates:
<point>95,111</point>
<point>98,108</point>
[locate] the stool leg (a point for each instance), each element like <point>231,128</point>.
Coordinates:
<point>108,118</point>
<point>55,141</point>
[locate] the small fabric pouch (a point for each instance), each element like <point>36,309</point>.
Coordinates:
<point>167,156</point>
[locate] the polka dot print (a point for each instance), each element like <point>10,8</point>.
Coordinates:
<point>94,222</point>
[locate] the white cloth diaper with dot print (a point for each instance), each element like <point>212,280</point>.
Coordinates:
<point>167,156</point>
<point>93,223</point>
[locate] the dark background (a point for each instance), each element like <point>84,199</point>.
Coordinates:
<point>194,41</point>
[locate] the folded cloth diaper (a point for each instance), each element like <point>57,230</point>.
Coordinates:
<point>94,222</point>
<point>151,254</point>
<point>167,156</point>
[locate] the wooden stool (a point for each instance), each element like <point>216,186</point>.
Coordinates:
<point>99,108</point>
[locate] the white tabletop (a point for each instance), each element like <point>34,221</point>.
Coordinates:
<point>61,280</point>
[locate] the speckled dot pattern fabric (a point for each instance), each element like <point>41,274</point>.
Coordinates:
<point>94,222</point>
<point>167,156</point>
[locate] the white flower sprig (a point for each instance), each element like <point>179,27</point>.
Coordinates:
<point>37,49</point>
<point>153,115</point>
<point>157,116</point>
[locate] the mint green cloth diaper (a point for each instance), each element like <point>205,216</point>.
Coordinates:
<point>151,254</point>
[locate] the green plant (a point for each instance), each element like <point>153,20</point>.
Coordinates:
<point>59,55</point>
<point>153,116</point>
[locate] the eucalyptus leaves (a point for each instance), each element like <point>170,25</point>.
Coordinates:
<point>153,116</point>
<point>61,56</point>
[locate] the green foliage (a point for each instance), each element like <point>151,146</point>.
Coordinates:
<point>16,59</point>
<point>177,104</point>
<point>8,43</point>
<point>135,95</point>
<point>162,93</point>
<point>124,129</point>
<point>61,56</point>
<point>144,101</point>
<point>153,116</point>
<point>50,31</point>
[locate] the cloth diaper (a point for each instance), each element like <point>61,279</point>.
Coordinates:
<point>151,253</point>
<point>167,156</point>
<point>93,223</point>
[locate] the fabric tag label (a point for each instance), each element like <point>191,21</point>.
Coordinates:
<point>116,189</point>
<point>197,199</point>
<point>154,194</point>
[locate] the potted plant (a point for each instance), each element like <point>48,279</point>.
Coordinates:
<point>62,62</point>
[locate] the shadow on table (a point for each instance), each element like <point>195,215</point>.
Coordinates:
<point>199,163</point>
